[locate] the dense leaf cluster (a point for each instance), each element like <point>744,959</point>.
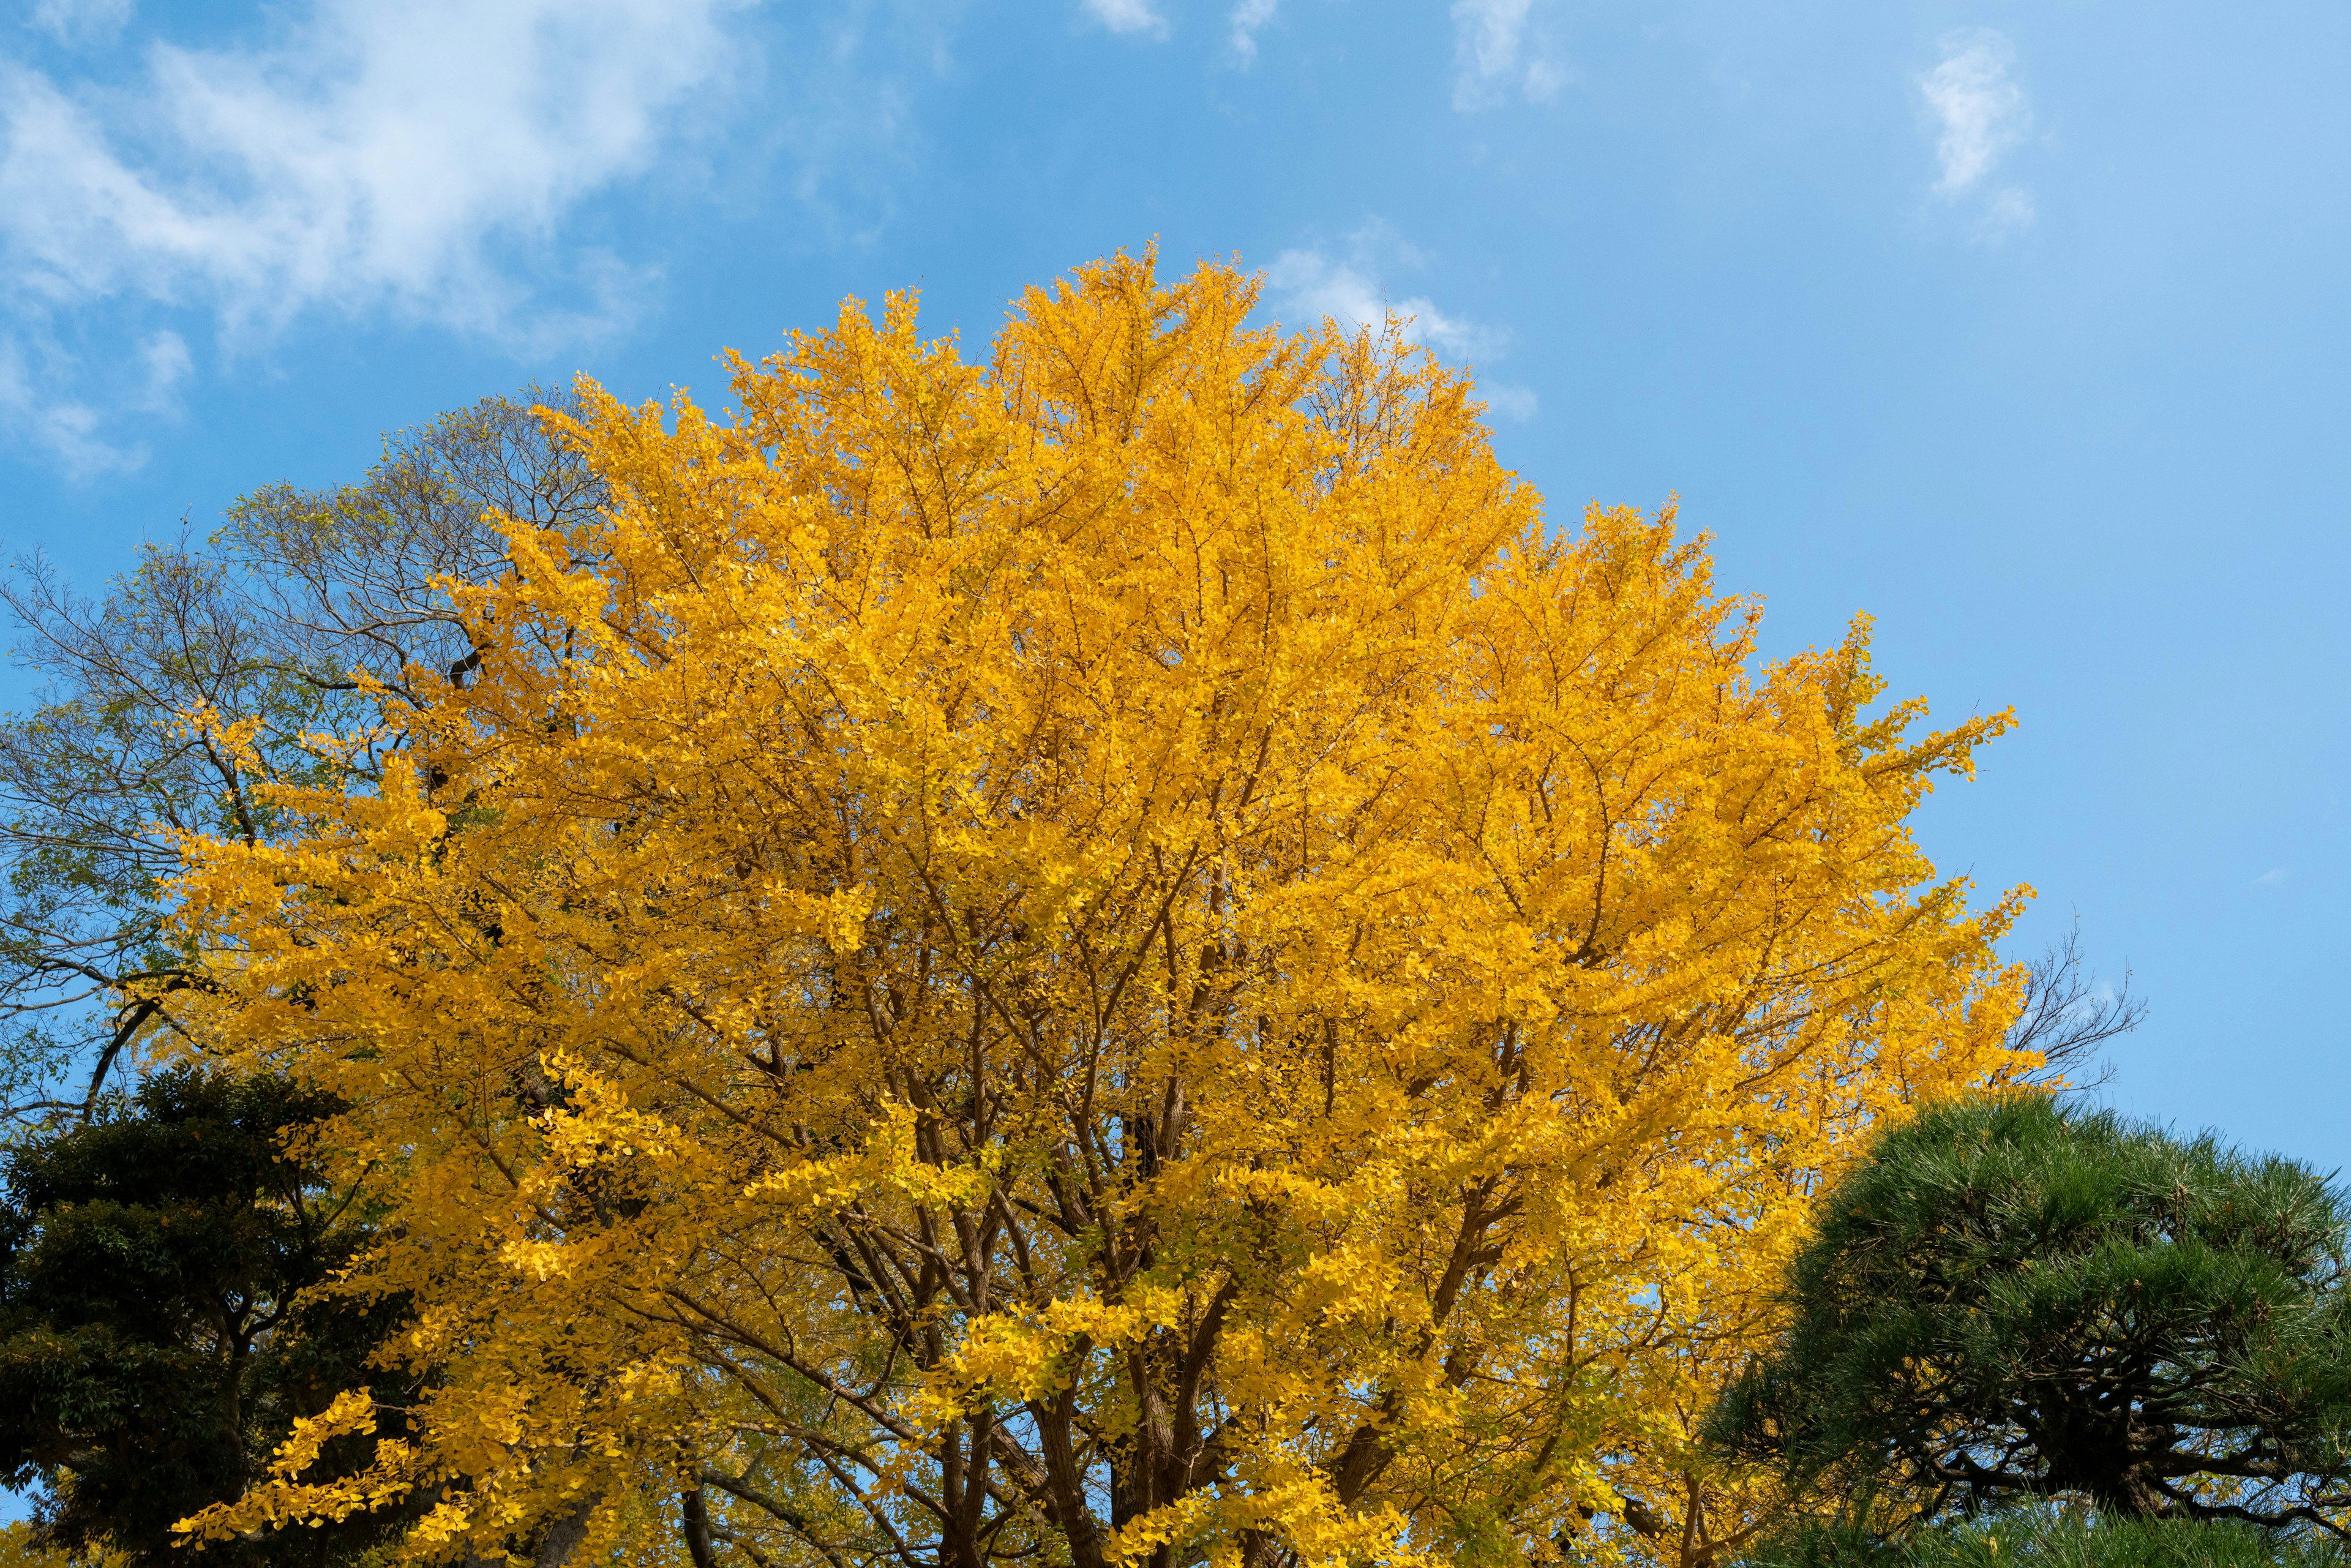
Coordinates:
<point>2015,1299</point>
<point>158,1329</point>
<point>2042,1540</point>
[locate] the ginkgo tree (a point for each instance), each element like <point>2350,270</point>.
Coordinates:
<point>1115,953</point>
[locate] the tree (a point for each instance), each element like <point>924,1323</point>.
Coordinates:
<point>1110,954</point>
<point>21,1547</point>
<point>2065,1015</point>
<point>156,1335</point>
<point>299,616</point>
<point>2013,1298</point>
<point>2045,1538</point>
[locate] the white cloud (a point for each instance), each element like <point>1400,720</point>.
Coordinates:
<point>1513,402</point>
<point>417,161</point>
<point>1981,112</point>
<point>380,157</point>
<point>1498,52</point>
<point>72,430</point>
<point>1313,283</point>
<point>81,22</point>
<point>2273,877</point>
<point>2010,209</point>
<point>1981,116</point>
<point>1127,16</point>
<point>65,430</point>
<point>165,361</point>
<point>1250,18</point>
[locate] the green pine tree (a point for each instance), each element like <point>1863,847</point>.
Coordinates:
<point>2015,1300</point>
<point>158,1331</point>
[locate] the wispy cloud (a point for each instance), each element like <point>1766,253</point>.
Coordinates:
<point>841,106</point>
<point>1249,18</point>
<point>164,359</point>
<point>1513,402</point>
<point>1313,284</point>
<point>1127,16</point>
<point>377,158</point>
<point>1343,282</point>
<point>1498,52</point>
<point>2272,877</point>
<point>80,22</point>
<point>65,429</point>
<point>1980,115</point>
<point>73,431</point>
<point>414,162</point>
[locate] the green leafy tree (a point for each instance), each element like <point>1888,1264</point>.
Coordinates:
<point>160,1328</point>
<point>303,607</point>
<point>2015,1299</point>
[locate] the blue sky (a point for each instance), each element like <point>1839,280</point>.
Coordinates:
<point>2022,326</point>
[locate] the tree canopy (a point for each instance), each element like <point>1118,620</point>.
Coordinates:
<point>303,612</point>
<point>156,1341</point>
<point>2036,1538</point>
<point>2017,1299</point>
<point>1111,954</point>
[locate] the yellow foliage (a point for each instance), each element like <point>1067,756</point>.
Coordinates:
<point>1114,953</point>
<point>282,1498</point>
<point>20,1549</point>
